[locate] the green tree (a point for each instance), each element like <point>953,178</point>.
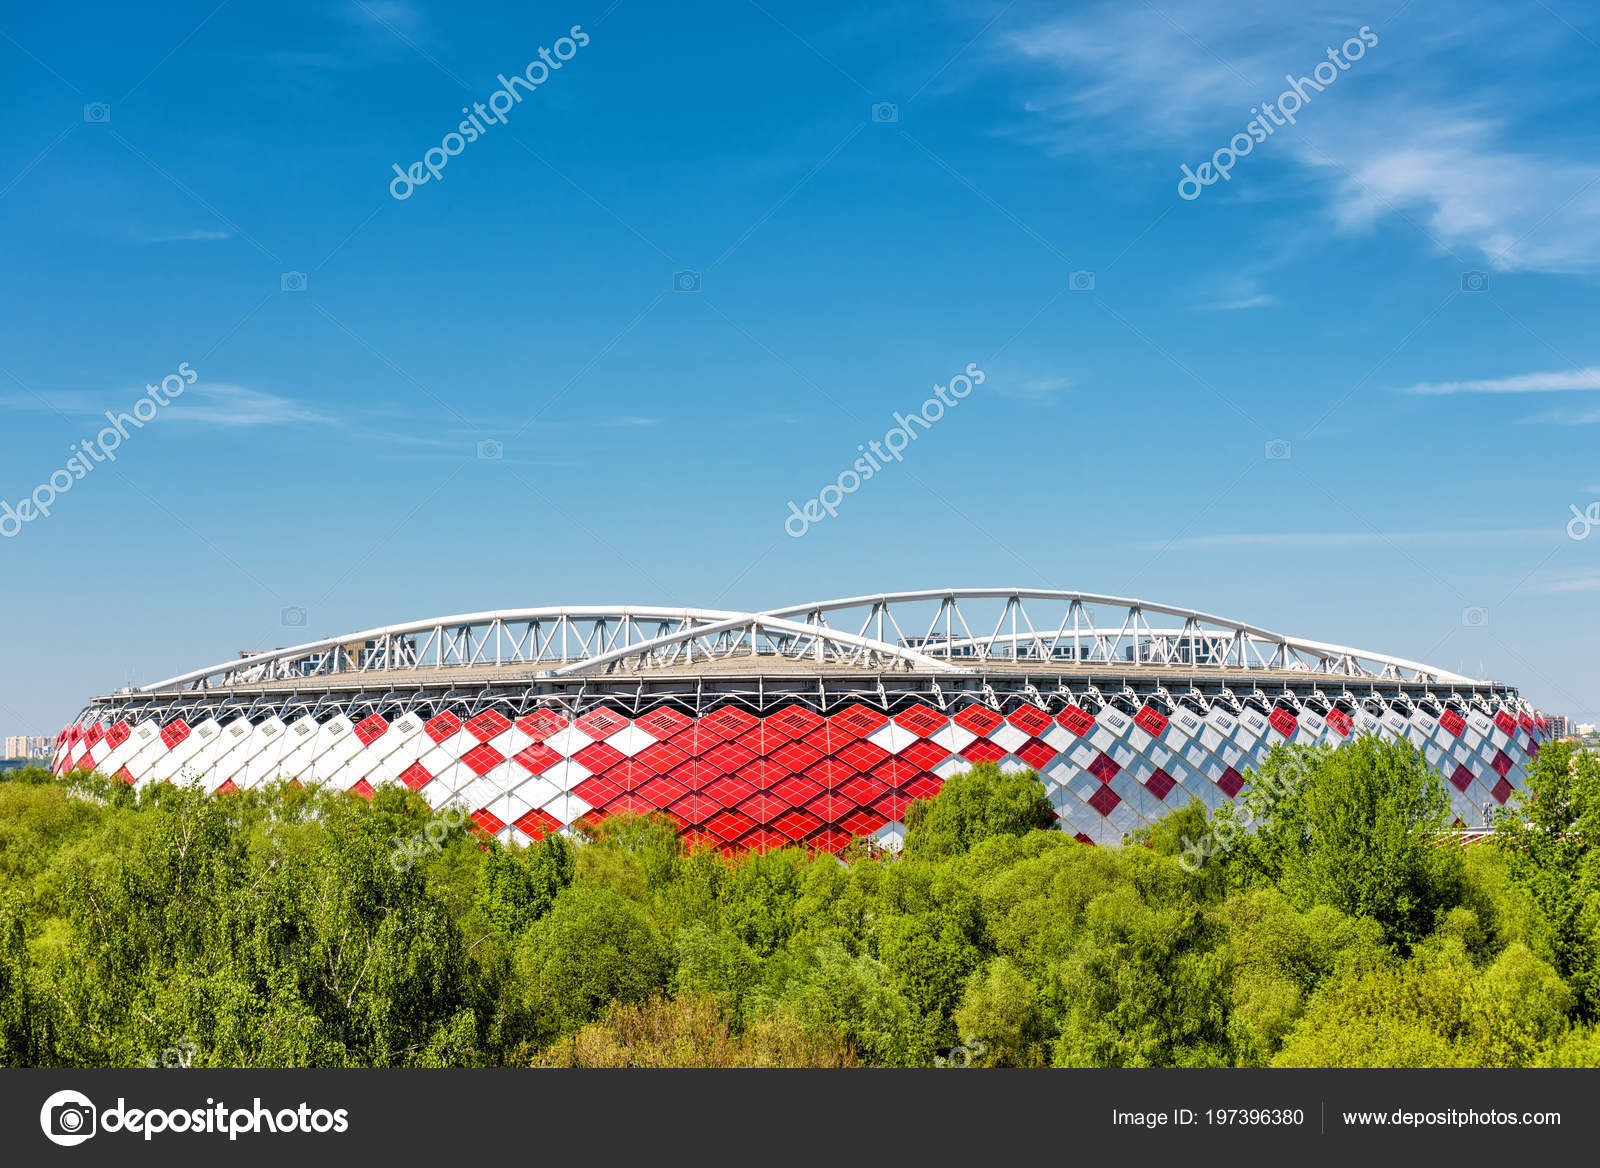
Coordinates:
<point>974,806</point>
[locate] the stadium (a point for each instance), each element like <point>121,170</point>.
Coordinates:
<point>808,725</point>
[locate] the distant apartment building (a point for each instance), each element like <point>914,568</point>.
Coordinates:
<point>1586,729</point>
<point>1560,727</point>
<point>27,746</point>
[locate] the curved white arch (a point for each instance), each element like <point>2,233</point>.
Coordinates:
<point>561,641</point>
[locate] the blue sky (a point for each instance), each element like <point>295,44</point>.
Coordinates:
<point>1401,286</point>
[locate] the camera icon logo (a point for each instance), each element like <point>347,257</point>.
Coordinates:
<point>1279,449</point>
<point>1474,281</point>
<point>293,617</point>
<point>97,112</point>
<point>885,113</point>
<point>491,450</point>
<point>686,281</point>
<point>292,281</point>
<point>1081,281</point>
<point>1475,617</point>
<point>68,1118</point>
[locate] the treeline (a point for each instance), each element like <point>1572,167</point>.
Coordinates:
<point>1320,922</point>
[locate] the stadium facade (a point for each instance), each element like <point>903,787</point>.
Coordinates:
<point>806,725</point>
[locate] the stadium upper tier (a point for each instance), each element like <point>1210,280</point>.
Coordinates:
<point>809,724</point>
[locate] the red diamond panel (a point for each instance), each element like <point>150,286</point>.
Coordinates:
<point>597,791</point>
<point>117,735</point>
<point>1159,784</point>
<point>601,723</point>
<point>369,729</point>
<point>892,806</point>
<point>664,722</point>
<point>361,788</point>
<point>1151,720</point>
<point>729,790</point>
<point>924,787</point>
<point>858,721</point>
<point>482,759</point>
<point>1341,722</point>
<point>695,808</point>
<point>920,720</point>
<point>96,733</point>
<point>797,790</point>
<point>982,750</point>
<point>661,791</point>
<point>174,732</point>
<point>488,724</point>
<point>1502,791</point>
<point>230,785</point>
<point>662,757</point>
<point>486,822</point>
<point>729,825</point>
<point>416,776</point>
<point>825,739</point>
<point>924,755</point>
<point>540,724</point>
<point>978,719</point>
<point>795,756</point>
<point>1501,763</point>
<point>756,740</point>
<point>763,773</point>
<point>1105,800</point>
<point>1083,839</point>
<point>1462,778</point>
<point>441,726</point>
<point>830,840</point>
<point>829,772</point>
<point>1031,720</point>
<point>537,758</point>
<point>796,824</point>
<point>764,807</point>
<point>537,824</point>
<point>862,820</point>
<point>726,758</point>
<point>1231,782</point>
<point>863,789</point>
<point>896,772</point>
<point>1507,724</point>
<point>762,840</point>
<point>1283,722</point>
<point>792,722</point>
<point>1035,753</point>
<point>1104,768</point>
<point>728,722</point>
<point>1453,722</point>
<point>830,806</point>
<point>862,755</point>
<point>598,757</point>
<point>1076,720</point>
<point>628,774</point>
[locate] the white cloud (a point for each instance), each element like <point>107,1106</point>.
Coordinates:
<point>1336,540</point>
<point>196,236</point>
<point>1435,126</point>
<point>221,404</point>
<point>1588,378</point>
<point>208,403</point>
<point>1562,418</point>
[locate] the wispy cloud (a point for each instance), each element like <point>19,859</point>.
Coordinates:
<point>1433,127</point>
<point>1562,418</point>
<point>1567,582</point>
<point>1588,378</point>
<point>207,403</point>
<point>1336,540</point>
<point>196,236</point>
<point>221,404</point>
